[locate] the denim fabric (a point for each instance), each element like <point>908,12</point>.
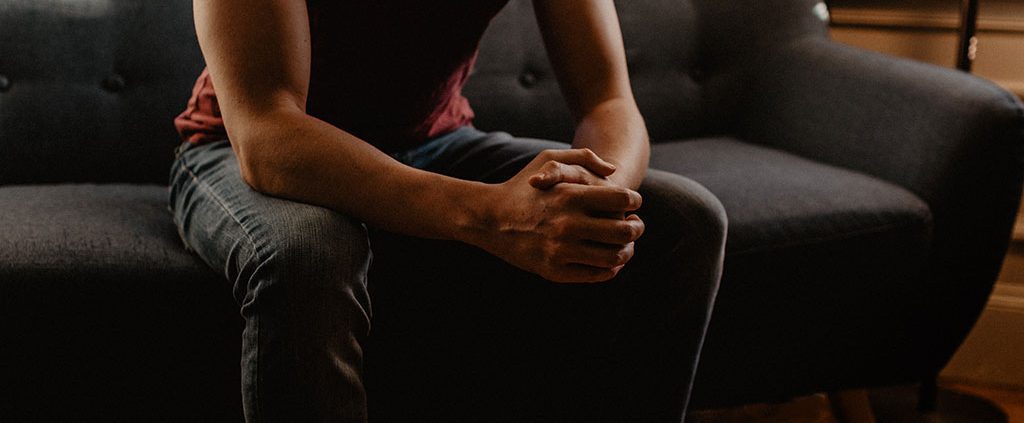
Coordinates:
<point>299,276</point>
<point>461,335</point>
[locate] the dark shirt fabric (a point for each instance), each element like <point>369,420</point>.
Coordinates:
<point>388,71</point>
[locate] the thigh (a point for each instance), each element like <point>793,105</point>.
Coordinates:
<point>457,325</point>
<point>240,231</point>
<point>299,276</point>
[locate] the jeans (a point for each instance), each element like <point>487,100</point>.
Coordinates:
<point>457,335</point>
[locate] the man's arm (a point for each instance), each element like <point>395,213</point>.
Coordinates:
<point>259,60</point>
<point>584,42</point>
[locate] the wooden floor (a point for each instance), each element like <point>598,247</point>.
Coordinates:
<point>821,409</point>
<point>1010,401</point>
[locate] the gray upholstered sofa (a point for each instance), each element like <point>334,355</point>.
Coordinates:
<point>869,200</point>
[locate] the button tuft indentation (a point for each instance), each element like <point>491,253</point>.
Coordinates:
<point>114,83</point>
<point>528,79</point>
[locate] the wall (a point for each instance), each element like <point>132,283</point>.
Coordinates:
<point>927,30</point>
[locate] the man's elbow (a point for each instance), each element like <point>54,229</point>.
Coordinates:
<point>258,170</point>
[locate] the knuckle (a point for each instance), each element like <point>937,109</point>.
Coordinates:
<point>565,228</point>
<point>625,198</point>
<point>606,275</point>
<point>564,168</point>
<point>578,170</point>
<point>557,251</point>
<point>564,194</point>
<point>549,252</point>
<point>614,260</point>
<point>547,155</point>
<point>634,232</point>
<point>630,199</point>
<point>623,256</point>
<point>626,233</point>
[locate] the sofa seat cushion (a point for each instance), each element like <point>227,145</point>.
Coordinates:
<point>809,245</point>
<point>98,293</point>
<point>777,200</point>
<point>71,230</point>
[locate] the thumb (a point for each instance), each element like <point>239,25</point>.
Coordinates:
<point>543,180</point>
<point>585,158</point>
<point>554,173</point>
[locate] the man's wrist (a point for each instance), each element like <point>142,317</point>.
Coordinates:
<point>473,217</point>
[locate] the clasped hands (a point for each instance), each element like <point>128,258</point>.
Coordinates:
<point>561,218</point>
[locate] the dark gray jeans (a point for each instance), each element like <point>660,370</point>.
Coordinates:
<point>458,335</point>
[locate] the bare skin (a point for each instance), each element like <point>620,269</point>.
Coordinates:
<point>565,216</point>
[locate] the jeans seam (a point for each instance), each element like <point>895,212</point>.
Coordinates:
<point>253,254</point>
<point>220,203</point>
<point>255,378</point>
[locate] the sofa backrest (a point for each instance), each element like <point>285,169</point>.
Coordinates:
<point>689,61</point>
<point>89,88</point>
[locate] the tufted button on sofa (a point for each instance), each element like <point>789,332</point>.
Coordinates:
<point>869,200</point>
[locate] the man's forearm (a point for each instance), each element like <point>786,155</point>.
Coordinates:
<point>551,232</point>
<point>616,132</point>
<point>300,158</point>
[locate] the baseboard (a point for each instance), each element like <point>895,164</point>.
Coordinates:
<point>991,355</point>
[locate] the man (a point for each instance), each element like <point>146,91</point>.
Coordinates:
<point>329,114</point>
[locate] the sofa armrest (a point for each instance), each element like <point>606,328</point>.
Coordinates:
<point>953,139</point>
<point>913,124</point>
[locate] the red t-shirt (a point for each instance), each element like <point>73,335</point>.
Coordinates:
<point>388,71</point>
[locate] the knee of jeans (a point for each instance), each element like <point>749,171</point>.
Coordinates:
<point>309,255</point>
<point>686,209</point>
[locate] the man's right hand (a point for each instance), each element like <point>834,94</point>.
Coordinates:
<point>564,232</point>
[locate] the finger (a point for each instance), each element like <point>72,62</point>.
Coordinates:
<point>582,157</point>
<point>605,231</point>
<point>597,255</point>
<point>553,173</point>
<point>581,273</point>
<point>605,198</point>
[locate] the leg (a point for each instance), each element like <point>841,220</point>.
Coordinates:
<point>677,268</point>
<point>299,275</point>
<point>476,339</point>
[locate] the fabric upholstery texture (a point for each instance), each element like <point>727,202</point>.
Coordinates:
<point>844,173</point>
<point>105,314</point>
<point>93,87</point>
<point>690,63</point>
<point>953,140</point>
<point>820,263</point>
<point>776,200</point>
<point>90,228</point>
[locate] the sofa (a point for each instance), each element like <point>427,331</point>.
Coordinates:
<point>869,199</point>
